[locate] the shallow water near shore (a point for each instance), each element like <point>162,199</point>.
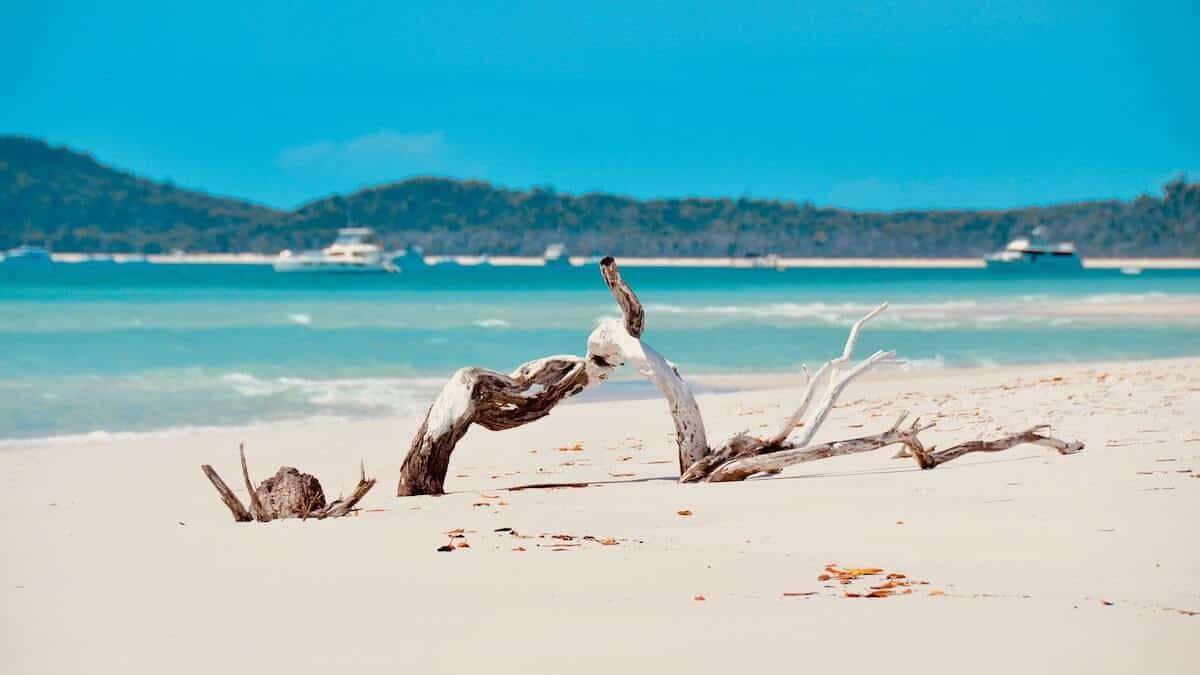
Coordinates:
<point>134,347</point>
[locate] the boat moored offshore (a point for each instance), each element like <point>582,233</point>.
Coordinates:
<point>1035,251</point>
<point>354,250</point>
<point>26,254</point>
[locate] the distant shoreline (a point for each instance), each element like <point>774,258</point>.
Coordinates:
<point>533,261</point>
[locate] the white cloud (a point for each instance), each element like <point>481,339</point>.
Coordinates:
<point>384,150</point>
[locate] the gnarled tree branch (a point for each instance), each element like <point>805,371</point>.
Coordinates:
<point>932,457</point>
<point>496,401</point>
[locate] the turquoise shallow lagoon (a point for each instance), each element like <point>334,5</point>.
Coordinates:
<point>104,348</point>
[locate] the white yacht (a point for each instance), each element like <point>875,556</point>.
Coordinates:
<point>555,255</point>
<point>1035,251</point>
<point>27,254</point>
<point>354,250</point>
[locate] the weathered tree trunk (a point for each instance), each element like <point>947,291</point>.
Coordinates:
<point>497,401</point>
<point>287,494</point>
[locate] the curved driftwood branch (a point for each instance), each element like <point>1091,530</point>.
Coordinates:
<point>496,401</point>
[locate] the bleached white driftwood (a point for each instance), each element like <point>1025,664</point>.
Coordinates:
<point>829,370</point>
<point>744,445</point>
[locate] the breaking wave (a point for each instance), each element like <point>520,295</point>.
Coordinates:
<point>493,323</point>
<point>351,395</point>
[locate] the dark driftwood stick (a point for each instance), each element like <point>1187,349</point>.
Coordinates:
<point>932,457</point>
<point>240,514</point>
<point>631,307</point>
<point>256,508</point>
<point>341,507</point>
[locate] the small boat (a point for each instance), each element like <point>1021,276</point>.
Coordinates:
<point>756,259</point>
<point>1035,251</point>
<point>26,254</point>
<point>555,256</point>
<point>354,251</point>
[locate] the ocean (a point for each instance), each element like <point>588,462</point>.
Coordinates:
<point>104,348</point>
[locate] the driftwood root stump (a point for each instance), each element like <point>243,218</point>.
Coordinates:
<point>290,493</point>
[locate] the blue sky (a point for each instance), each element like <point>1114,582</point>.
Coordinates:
<point>878,105</point>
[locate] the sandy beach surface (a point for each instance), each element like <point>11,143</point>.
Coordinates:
<point>119,557</point>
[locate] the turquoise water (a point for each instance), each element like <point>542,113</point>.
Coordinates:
<point>136,347</point>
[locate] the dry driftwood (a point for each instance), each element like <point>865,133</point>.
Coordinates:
<point>288,494</point>
<point>497,401</point>
<point>932,457</point>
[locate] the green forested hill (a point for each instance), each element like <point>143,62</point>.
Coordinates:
<point>70,202</point>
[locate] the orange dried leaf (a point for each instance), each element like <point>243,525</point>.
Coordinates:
<point>848,594</point>
<point>802,594</point>
<point>684,512</point>
<point>462,543</point>
<point>879,594</point>
<point>699,598</point>
<point>824,577</point>
<point>518,548</point>
<point>608,541</point>
<point>937,592</point>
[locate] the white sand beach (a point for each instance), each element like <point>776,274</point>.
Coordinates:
<point>119,557</point>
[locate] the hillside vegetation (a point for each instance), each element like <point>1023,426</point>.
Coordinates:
<point>70,202</point>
